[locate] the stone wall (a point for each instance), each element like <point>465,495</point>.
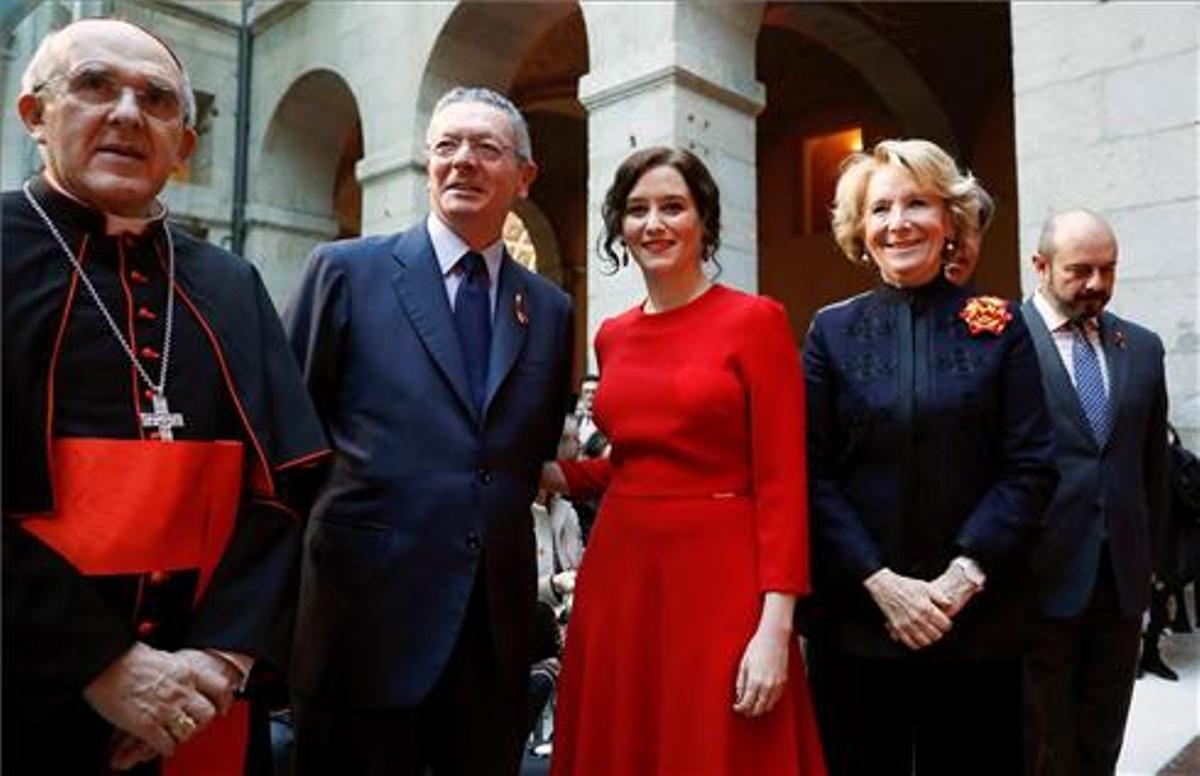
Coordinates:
<point>1106,118</point>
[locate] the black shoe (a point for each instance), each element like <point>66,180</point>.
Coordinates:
<point>1153,664</point>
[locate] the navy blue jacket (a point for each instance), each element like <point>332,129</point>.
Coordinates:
<point>423,492</point>
<point>1117,492</point>
<point>925,441</point>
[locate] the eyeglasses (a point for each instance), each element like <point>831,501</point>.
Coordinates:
<point>100,86</point>
<point>487,149</point>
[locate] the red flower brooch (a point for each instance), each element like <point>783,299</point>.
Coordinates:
<point>985,313</point>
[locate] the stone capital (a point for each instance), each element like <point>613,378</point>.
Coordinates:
<point>597,92</point>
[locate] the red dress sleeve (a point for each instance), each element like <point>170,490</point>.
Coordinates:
<point>772,372</point>
<point>587,478</point>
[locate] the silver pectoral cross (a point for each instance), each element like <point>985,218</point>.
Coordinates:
<point>162,418</point>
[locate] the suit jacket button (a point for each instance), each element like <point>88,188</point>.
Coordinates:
<point>473,542</point>
<point>485,476</point>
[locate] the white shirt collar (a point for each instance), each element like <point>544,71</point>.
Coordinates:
<point>115,225</point>
<point>448,247</point>
<point>1053,317</point>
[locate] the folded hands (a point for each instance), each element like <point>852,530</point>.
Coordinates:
<point>157,700</point>
<point>917,612</point>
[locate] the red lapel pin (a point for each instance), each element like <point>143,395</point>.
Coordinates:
<point>519,309</point>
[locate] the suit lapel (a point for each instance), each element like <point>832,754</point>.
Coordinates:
<point>1060,388</point>
<point>508,326</point>
<point>1117,359</point>
<point>421,291</point>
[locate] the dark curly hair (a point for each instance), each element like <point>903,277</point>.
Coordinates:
<point>700,185</point>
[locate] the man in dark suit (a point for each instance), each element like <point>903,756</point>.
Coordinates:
<point>441,369</point>
<point>1105,387</point>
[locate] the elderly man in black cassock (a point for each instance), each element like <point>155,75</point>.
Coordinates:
<point>157,437</point>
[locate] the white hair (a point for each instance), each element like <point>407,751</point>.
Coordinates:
<point>481,94</point>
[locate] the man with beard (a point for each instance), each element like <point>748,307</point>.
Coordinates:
<point>1105,387</point>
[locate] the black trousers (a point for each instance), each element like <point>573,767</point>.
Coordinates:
<point>1079,681</point>
<point>470,724</point>
<point>885,717</point>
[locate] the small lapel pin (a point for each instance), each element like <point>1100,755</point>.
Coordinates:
<point>519,309</point>
<point>1119,338</point>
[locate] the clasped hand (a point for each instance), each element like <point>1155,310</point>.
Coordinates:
<point>919,613</point>
<point>157,700</point>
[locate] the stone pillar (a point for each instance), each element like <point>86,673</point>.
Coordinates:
<point>278,242</point>
<point>678,74</point>
<point>394,190</point>
<point>1106,118</point>
<point>19,157</point>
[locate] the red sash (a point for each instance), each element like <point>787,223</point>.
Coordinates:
<point>132,507</point>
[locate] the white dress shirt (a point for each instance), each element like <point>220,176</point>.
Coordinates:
<point>1060,329</point>
<point>448,247</point>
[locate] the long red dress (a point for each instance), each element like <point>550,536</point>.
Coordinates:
<point>704,510</point>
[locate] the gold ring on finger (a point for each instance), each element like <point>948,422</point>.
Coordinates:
<point>181,726</point>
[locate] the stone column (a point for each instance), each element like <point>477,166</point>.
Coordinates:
<point>678,74</point>
<point>278,241</point>
<point>394,190</point>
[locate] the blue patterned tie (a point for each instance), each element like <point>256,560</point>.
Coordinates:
<point>473,320</point>
<point>1089,382</point>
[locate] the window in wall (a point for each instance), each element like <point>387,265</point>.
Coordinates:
<point>821,160</point>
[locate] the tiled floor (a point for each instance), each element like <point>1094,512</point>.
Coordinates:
<point>1165,716</point>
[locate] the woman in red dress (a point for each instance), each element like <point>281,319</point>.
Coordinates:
<point>680,657</point>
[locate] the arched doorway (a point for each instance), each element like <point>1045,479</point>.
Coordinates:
<point>303,189</point>
<point>841,77</point>
<point>535,54</point>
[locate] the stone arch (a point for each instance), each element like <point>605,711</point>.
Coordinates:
<point>483,44</point>
<point>840,77</point>
<point>880,63</point>
<point>303,189</point>
<point>545,241</point>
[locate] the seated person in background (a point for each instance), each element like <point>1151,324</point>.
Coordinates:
<point>583,409</point>
<point>559,552</point>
